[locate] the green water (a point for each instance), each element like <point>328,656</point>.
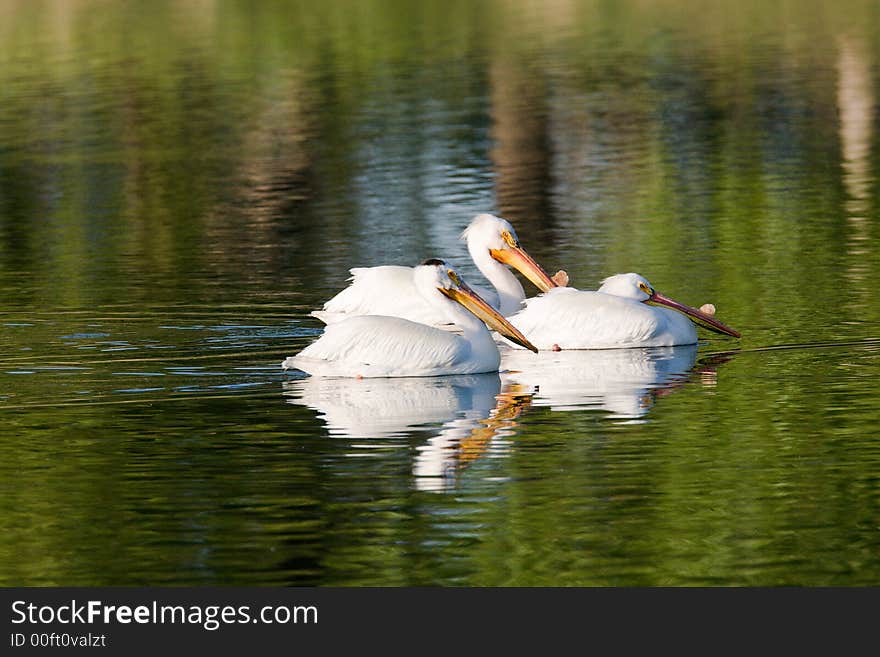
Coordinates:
<point>182,182</point>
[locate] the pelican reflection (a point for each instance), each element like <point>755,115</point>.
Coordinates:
<point>623,382</point>
<point>389,407</point>
<point>462,441</point>
<point>475,416</point>
<point>469,413</point>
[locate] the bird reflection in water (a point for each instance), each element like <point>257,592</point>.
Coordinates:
<point>478,414</point>
<point>624,383</point>
<point>394,407</point>
<point>463,441</point>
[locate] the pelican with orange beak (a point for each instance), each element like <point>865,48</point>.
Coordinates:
<point>390,290</point>
<point>383,346</point>
<point>626,311</point>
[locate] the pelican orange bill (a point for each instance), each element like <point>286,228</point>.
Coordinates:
<point>472,301</point>
<point>516,257</point>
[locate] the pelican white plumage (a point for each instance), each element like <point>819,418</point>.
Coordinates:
<point>625,311</point>
<point>390,290</point>
<point>379,346</point>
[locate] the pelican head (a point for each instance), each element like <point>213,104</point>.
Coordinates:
<point>634,286</point>
<point>435,275</point>
<point>488,233</point>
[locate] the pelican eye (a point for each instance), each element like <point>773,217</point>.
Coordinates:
<point>644,288</point>
<point>453,277</point>
<point>509,239</point>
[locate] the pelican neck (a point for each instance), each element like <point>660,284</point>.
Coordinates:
<point>510,292</point>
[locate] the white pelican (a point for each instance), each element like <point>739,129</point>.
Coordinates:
<point>623,312</point>
<point>389,289</point>
<point>375,345</point>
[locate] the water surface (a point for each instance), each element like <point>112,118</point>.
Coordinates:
<point>181,183</point>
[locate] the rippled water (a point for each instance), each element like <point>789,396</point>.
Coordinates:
<point>180,184</point>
